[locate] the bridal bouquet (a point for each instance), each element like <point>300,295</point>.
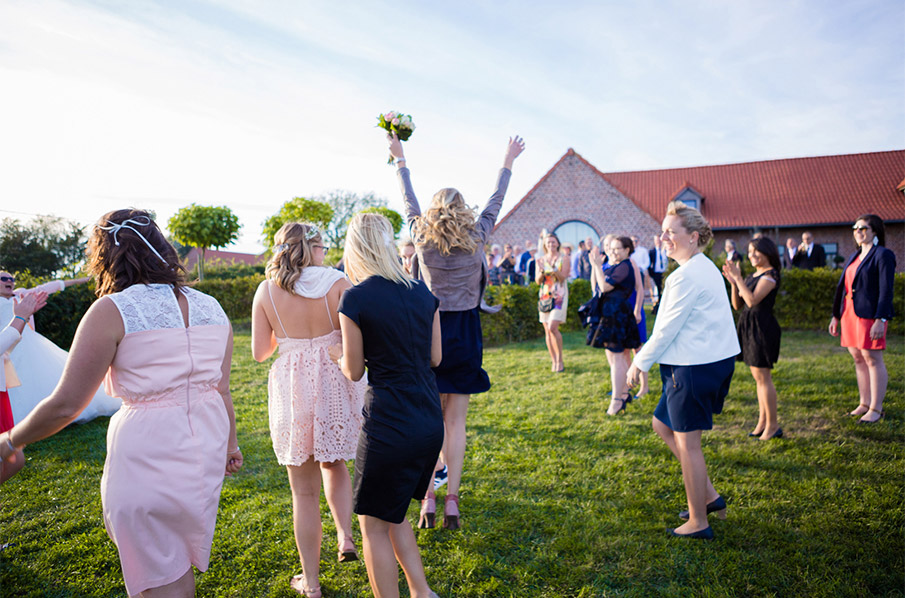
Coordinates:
<point>394,122</point>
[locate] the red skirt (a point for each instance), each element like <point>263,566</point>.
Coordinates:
<point>6,413</point>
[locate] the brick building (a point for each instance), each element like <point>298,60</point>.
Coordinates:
<point>781,198</point>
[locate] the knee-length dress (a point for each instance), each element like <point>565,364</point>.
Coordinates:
<point>853,330</point>
<point>618,328</point>
<point>759,333</point>
<point>556,289</point>
<point>403,424</point>
<point>166,446</point>
<point>314,409</point>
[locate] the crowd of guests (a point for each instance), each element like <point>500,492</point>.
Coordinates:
<point>378,364</point>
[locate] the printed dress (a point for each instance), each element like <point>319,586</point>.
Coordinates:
<point>553,288</point>
<point>166,446</point>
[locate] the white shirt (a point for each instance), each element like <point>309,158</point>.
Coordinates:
<point>660,260</point>
<point>694,322</point>
<point>641,258</point>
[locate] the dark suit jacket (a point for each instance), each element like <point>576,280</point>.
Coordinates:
<point>816,260</point>
<point>872,287</point>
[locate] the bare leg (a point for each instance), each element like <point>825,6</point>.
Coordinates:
<point>305,482</point>
<point>766,399</point>
<point>406,550</point>
<point>879,378</point>
<point>184,587</point>
<point>548,338</point>
<point>862,373</point>
<point>761,407</point>
<point>556,337</point>
<point>618,368</point>
<point>694,475</point>
<point>668,436</point>
<point>379,561</point>
<point>338,490</point>
<point>455,411</point>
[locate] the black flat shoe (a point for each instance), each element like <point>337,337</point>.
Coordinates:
<point>717,506</point>
<point>753,435</point>
<point>776,434</point>
<point>704,534</point>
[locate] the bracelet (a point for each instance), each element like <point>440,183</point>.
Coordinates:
<point>398,160</point>
<point>11,446</point>
<point>228,452</point>
<point>21,318</point>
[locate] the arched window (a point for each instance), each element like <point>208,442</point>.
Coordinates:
<point>574,231</point>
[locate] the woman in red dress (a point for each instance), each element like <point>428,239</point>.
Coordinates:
<point>862,305</point>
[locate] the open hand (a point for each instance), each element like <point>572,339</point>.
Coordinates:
<point>595,257</point>
<point>516,146</point>
<point>732,272</point>
<point>29,304</point>
<point>395,146</point>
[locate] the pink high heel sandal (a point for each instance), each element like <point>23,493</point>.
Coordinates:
<point>299,585</point>
<point>451,512</point>
<point>428,511</point>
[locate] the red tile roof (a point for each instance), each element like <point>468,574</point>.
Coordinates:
<point>789,192</point>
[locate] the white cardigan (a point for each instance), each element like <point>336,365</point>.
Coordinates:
<point>694,322</point>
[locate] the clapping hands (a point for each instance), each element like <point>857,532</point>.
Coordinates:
<point>29,304</point>
<point>732,272</point>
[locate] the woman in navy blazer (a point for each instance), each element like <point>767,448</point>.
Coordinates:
<point>862,305</point>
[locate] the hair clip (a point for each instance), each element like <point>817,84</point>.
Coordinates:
<point>311,232</point>
<point>280,247</point>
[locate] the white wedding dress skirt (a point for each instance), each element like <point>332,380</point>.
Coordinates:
<point>39,366</point>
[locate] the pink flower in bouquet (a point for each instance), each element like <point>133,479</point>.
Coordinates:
<point>398,123</point>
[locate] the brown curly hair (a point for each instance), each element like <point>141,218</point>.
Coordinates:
<point>293,256</point>
<point>116,264</point>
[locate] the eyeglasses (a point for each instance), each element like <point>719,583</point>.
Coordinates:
<point>7,279</point>
<point>856,227</point>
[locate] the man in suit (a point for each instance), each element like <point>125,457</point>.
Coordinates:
<point>789,254</point>
<point>658,264</point>
<point>810,255</point>
<point>732,253</point>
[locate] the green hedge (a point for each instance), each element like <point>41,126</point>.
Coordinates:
<point>805,302</point>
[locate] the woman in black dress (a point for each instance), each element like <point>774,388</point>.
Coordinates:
<point>618,330</point>
<point>758,331</point>
<point>391,323</point>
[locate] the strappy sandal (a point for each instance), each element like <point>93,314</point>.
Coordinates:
<point>624,400</point>
<point>345,554</point>
<point>867,421</point>
<point>856,413</point>
<point>299,585</point>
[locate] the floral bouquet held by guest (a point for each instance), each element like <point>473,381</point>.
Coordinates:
<point>397,124</point>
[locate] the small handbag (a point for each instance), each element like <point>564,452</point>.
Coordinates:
<point>545,304</point>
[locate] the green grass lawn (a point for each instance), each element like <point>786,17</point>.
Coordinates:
<point>557,500</point>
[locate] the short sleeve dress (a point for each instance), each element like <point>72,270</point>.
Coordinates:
<point>618,328</point>
<point>758,331</point>
<point>166,446</point>
<point>403,424</point>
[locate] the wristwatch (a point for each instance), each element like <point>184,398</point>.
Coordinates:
<point>883,320</point>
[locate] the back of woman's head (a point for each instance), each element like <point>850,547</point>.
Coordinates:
<point>692,221</point>
<point>876,225</point>
<point>293,251</point>
<point>126,247</point>
<point>767,248</point>
<point>448,224</point>
<point>370,251</point>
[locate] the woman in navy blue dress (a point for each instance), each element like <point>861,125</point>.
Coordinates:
<point>390,323</point>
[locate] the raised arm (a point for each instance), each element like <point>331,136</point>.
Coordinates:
<point>491,211</point>
<point>596,260</point>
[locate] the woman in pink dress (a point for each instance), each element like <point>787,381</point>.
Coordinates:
<point>165,350</point>
<point>862,305</point>
<point>315,412</point>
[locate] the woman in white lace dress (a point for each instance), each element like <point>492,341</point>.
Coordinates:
<point>166,352</point>
<point>315,412</point>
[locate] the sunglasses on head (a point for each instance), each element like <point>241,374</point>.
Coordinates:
<point>7,279</point>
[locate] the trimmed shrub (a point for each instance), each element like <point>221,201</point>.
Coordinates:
<point>234,294</point>
<point>518,319</point>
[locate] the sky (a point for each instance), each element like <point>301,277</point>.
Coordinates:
<point>249,103</point>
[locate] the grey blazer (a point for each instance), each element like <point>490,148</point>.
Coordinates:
<point>457,280</point>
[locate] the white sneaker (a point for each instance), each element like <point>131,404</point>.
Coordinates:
<point>440,478</point>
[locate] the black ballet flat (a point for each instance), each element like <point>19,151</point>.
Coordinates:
<point>704,534</point>
<point>776,434</point>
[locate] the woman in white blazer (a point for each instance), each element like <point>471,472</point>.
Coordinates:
<point>9,337</point>
<point>694,342</point>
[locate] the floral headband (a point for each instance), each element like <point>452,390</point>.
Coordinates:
<point>309,234</point>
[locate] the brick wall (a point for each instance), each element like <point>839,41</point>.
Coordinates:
<point>574,191</point>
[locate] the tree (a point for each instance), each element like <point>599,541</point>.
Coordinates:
<point>393,216</point>
<point>346,204</point>
<point>46,246</point>
<point>298,209</point>
<point>204,227</point>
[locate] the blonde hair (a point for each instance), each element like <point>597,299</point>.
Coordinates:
<point>370,250</point>
<point>449,224</point>
<point>692,221</point>
<point>292,252</point>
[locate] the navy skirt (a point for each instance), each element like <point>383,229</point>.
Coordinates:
<point>693,393</point>
<point>461,371</point>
